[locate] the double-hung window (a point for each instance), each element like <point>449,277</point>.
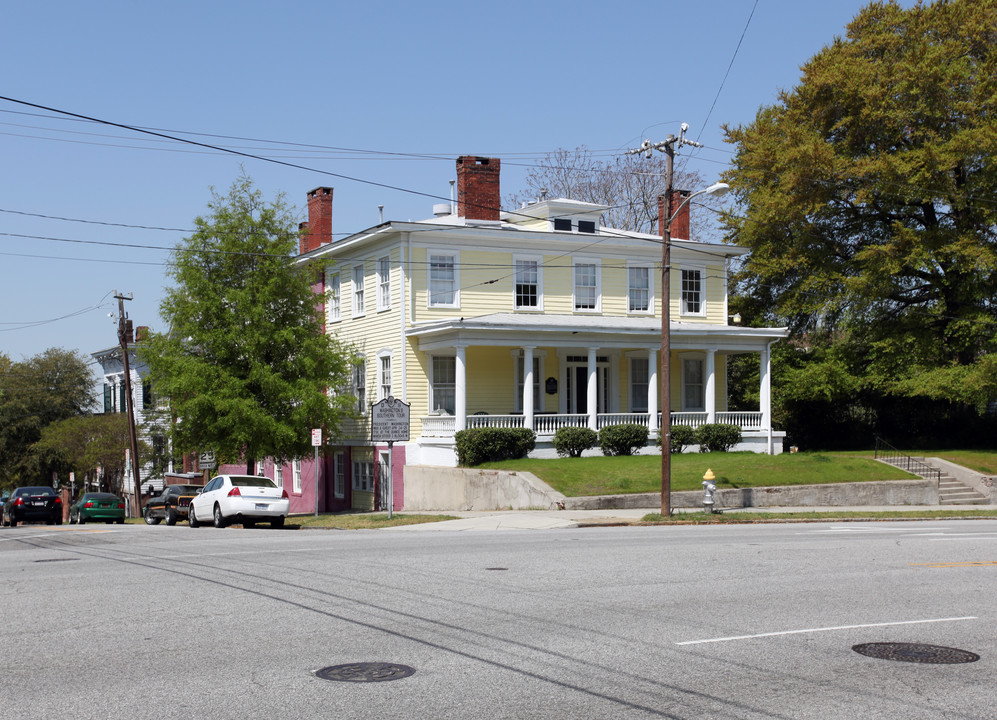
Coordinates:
<point>639,289</point>
<point>443,280</point>
<point>296,476</point>
<point>586,288</point>
<point>693,302</point>
<point>358,298</point>
<point>360,386</point>
<point>384,283</point>
<point>335,310</point>
<point>384,377</point>
<point>527,279</point>
<point>339,475</point>
<point>443,391</point>
<point>363,475</point>
<point>639,378</point>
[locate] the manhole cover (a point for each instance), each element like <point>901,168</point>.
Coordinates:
<point>365,672</point>
<point>916,653</point>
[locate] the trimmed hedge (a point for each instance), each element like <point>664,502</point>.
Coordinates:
<point>717,437</point>
<point>573,441</point>
<point>622,439</point>
<point>682,437</point>
<point>479,445</point>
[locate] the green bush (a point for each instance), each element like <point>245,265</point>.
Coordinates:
<point>682,437</point>
<point>479,445</point>
<point>717,437</point>
<point>572,441</point>
<point>622,439</point>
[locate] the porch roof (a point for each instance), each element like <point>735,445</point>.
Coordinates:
<point>582,331</point>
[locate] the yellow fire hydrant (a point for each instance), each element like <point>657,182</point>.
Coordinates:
<point>709,488</point>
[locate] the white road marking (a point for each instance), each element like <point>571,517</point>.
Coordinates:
<point>825,629</point>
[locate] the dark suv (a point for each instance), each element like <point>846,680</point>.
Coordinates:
<point>32,504</point>
<point>170,505</point>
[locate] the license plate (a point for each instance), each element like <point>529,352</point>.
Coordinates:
<point>39,503</point>
<point>261,506</point>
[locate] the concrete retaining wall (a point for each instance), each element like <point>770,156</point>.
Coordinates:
<point>892,492</point>
<point>448,488</point>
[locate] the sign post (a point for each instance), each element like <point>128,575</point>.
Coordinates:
<point>389,421</point>
<point>316,443</point>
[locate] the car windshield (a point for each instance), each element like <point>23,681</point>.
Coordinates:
<point>187,489</point>
<point>251,481</point>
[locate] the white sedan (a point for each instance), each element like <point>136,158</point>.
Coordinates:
<point>243,499</point>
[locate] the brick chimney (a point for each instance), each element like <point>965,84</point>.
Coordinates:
<point>478,196</point>
<point>318,230</point>
<point>680,225</point>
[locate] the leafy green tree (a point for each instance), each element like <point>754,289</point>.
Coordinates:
<point>866,195</point>
<point>246,364</point>
<point>84,444</point>
<point>49,387</point>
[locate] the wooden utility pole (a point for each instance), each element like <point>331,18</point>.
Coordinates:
<point>124,335</point>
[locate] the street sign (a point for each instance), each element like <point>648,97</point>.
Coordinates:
<point>389,420</point>
<point>206,461</point>
<point>317,437</point>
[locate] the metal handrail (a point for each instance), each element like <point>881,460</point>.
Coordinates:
<point>889,454</point>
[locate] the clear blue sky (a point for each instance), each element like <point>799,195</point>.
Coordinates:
<point>436,80</point>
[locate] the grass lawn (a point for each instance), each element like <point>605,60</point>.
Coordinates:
<point>576,477</point>
<point>984,461</point>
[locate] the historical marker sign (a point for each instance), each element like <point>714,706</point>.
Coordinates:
<point>389,420</point>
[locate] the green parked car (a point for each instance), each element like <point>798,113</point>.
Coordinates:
<point>97,506</point>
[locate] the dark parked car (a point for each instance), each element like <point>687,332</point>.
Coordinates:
<point>170,505</point>
<point>32,504</point>
<point>97,506</point>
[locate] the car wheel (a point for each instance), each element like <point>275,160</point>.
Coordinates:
<point>149,519</point>
<point>219,518</point>
<point>171,516</point>
<point>191,519</point>
<point>12,523</point>
<point>277,522</point>
<point>80,520</point>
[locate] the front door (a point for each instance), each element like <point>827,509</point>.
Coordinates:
<point>578,380</point>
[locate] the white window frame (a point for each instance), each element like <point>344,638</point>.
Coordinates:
<point>649,310</point>
<point>261,467</point>
<point>384,383</point>
<point>435,385</point>
<point>638,393</point>
<point>701,293</point>
<point>359,301</point>
<point>360,385</point>
<point>296,475</point>
<point>335,310</point>
<point>686,383</point>
<point>383,283</point>
<point>363,476</point>
<point>516,260</point>
<point>454,257</point>
<point>597,265</point>
<point>278,475</point>
<point>339,474</point>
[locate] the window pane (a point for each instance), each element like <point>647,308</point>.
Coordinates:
<point>444,384</point>
<point>585,287</point>
<point>640,289</point>
<point>527,277</point>
<point>691,291</point>
<point>639,378</point>
<point>441,280</point>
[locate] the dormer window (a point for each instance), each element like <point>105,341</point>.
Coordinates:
<point>586,226</point>
<point>563,224</point>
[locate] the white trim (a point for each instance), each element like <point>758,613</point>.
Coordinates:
<point>383,275</point>
<point>386,353</point>
<point>633,264</point>
<point>296,476</point>
<point>586,261</point>
<point>701,270</point>
<point>359,295</point>
<point>454,256</point>
<point>538,259</point>
<point>334,307</point>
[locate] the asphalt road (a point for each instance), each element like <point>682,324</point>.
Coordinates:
<point>657,622</point>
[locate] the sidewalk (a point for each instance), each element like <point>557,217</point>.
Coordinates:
<point>556,519</point>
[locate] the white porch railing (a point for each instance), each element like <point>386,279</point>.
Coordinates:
<point>545,425</point>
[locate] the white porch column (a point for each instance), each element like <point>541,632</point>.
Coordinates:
<point>710,389</point>
<point>460,381</point>
<point>593,393</point>
<point>528,380</point>
<point>765,392</point>
<point>652,391</point>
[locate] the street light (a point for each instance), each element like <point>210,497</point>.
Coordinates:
<point>666,394</point>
